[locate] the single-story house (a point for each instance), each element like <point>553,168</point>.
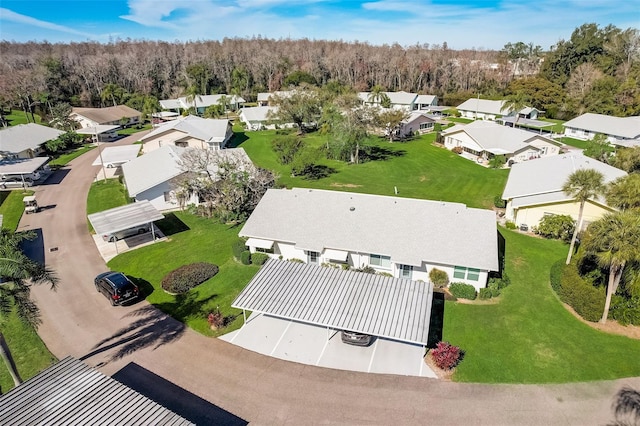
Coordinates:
<point>258,118</point>
<point>622,131</point>
<point>417,122</point>
<point>403,100</point>
<point>115,115</point>
<point>485,109</point>
<point>403,237</point>
<point>534,189</point>
<point>201,102</point>
<point>149,177</point>
<point>264,98</point>
<point>190,131</point>
<point>481,140</point>
<point>25,140</point>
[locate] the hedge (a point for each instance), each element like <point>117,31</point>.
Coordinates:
<point>587,300</point>
<point>259,258</point>
<point>189,276</point>
<point>463,290</point>
<point>238,248</point>
<point>245,257</point>
<point>624,310</point>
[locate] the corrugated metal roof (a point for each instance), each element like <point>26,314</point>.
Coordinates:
<point>124,217</point>
<point>382,306</point>
<point>16,166</point>
<point>117,155</point>
<point>71,392</point>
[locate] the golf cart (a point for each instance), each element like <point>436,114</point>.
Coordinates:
<point>30,204</point>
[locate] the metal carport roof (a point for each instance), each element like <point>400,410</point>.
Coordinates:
<point>382,306</point>
<point>124,217</point>
<point>116,155</point>
<point>71,392</point>
<point>21,166</point>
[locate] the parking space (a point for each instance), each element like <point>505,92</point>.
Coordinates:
<point>110,250</point>
<point>314,345</point>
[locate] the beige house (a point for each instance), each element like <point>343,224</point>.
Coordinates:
<point>189,132</point>
<point>115,115</point>
<point>534,189</point>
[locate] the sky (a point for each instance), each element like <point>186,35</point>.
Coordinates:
<point>463,24</point>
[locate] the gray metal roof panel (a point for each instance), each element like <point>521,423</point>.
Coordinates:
<point>22,165</point>
<point>15,139</point>
<point>124,217</point>
<point>624,127</point>
<point>389,307</point>
<point>116,155</point>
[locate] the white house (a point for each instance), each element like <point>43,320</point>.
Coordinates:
<point>622,131</point>
<point>403,100</point>
<point>417,122</point>
<point>120,115</point>
<point>485,109</point>
<point>190,132</point>
<point>25,140</point>
<point>403,237</point>
<point>259,118</point>
<point>201,102</point>
<point>534,189</point>
<point>481,140</point>
<point>149,177</point>
<point>264,98</point>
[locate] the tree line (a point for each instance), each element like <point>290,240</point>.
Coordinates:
<point>596,70</point>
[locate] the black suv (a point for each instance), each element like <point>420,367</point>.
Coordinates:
<point>116,287</point>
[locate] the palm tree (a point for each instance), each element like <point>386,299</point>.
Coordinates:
<point>20,273</point>
<point>624,192</point>
<point>514,104</point>
<point>193,94</point>
<point>614,241</point>
<point>378,95</point>
<point>582,185</point>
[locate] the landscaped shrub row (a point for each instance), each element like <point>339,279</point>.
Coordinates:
<point>587,300</point>
<point>625,311</point>
<point>495,286</point>
<point>439,278</point>
<point>189,276</point>
<point>463,290</point>
<point>238,247</point>
<point>446,356</point>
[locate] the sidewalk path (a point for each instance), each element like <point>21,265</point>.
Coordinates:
<point>78,321</point>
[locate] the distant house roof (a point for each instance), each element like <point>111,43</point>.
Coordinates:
<point>259,113</point>
<point>201,101</point>
<point>425,99</point>
<point>343,300</point>
<point>396,98</point>
<point>408,230</point>
<point>70,392</point>
<point>497,139</point>
<point>415,115</point>
<point>265,96</point>
<point>16,139</point>
<point>548,175</point>
<point>108,114</point>
<point>205,129</point>
<point>171,104</point>
<point>622,127</point>
<point>97,130</point>
<point>486,106</point>
<point>116,155</point>
<point>162,165</point>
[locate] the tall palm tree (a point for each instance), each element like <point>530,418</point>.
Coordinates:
<point>624,192</point>
<point>614,241</point>
<point>582,185</point>
<point>514,104</point>
<point>378,95</point>
<point>19,273</point>
<point>193,95</point>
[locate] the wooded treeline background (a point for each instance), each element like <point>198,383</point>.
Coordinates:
<point>596,70</point>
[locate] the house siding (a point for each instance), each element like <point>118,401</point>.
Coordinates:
<point>532,215</point>
<point>156,196</point>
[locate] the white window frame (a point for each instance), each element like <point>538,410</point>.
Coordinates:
<point>384,261</point>
<point>405,271</point>
<point>313,257</point>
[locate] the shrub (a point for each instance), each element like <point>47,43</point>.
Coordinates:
<point>238,247</point>
<point>457,150</point>
<point>189,276</point>
<point>439,278</point>
<point>587,300</point>
<point>446,356</point>
<point>485,293</point>
<point>624,310</point>
<point>497,161</point>
<point>463,291</point>
<point>495,290</point>
<point>245,257</point>
<point>259,258</point>
<point>385,274</point>
<point>500,283</point>
<point>499,202</point>
<point>366,269</point>
<point>295,260</point>
<point>216,319</point>
<point>557,226</point>
<point>510,225</point>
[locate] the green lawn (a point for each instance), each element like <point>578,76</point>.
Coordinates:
<point>64,159</point>
<point>459,120</point>
<point>29,352</point>
<point>558,126</point>
<point>105,195</point>
<point>133,129</point>
<point>575,142</point>
<point>12,207</point>
<point>529,337</point>
<point>417,168</point>
<point>19,117</point>
<point>205,241</point>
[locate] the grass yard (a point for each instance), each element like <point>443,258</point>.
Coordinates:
<point>558,126</point>
<point>29,352</point>
<point>133,129</point>
<point>12,207</point>
<point>64,159</point>
<point>417,168</point>
<point>19,117</point>
<point>575,142</point>
<point>205,241</point>
<point>105,195</point>
<point>459,120</point>
<point>529,337</point>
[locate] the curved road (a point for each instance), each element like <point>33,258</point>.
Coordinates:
<point>78,321</point>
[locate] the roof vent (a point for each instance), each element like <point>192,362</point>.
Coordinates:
<point>352,209</point>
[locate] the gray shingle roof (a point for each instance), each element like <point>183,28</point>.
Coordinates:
<point>108,114</point>
<point>548,174</point>
<point>396,98</point>
<point>16,139</point>
<point>70,392</point>
<point>205,129</point>
<point>623,127</point>
<point>483,106</point>
<point>346,300</point>
<point>409,230</point>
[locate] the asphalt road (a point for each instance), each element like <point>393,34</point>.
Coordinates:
<point>80,322</point>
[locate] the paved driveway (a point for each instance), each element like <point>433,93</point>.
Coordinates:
<point>314,345</point>
<point>78,321</point>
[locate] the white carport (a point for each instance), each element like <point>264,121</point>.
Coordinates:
<point>115,156</point>
<point>125,217</point>
<point>21,167</point>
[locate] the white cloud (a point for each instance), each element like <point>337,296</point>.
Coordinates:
<point>11,16</point>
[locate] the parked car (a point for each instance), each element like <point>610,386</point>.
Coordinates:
<point>357,339</point>
<point>126,233</point>
<point>116,287</point>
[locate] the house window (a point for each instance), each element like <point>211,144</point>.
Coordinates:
<point>406,271</point>
<point>182,144</point>
<point>462,273</point>
<point>264,250</point>
<point>379,260</point>
<point>313,257</point>
<point>425,126</point>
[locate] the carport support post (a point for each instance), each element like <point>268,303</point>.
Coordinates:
<point>115,243</point>
<point>153,232</point>
<point>244,315</point>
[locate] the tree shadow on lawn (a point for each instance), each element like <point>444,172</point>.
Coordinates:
<point>379,153</point>
<point>237,139</point>
<point>152,326</point>
<point>317,171</point>
<point>171,225</point>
